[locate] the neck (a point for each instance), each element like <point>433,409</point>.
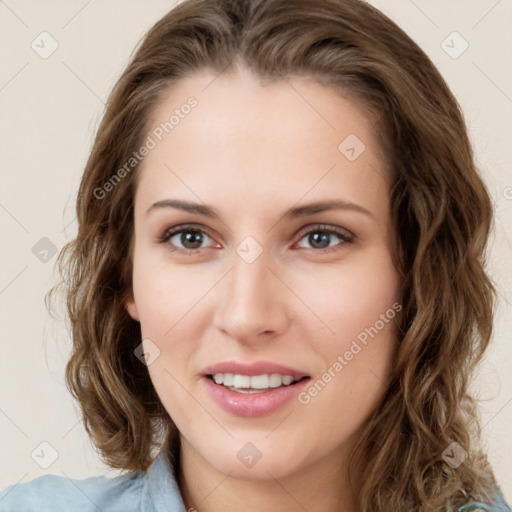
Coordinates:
<point>320,487</point>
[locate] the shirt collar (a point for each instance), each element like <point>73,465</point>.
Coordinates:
<point>161,492</point>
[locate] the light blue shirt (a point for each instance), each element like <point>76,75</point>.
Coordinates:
<point>154,491</point>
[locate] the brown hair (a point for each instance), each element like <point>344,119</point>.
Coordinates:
<point>440,207</point>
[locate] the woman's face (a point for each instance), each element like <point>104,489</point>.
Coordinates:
<point>262,249</point>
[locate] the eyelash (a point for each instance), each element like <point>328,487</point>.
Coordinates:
<point>320,228</point>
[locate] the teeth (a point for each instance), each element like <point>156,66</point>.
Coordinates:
<point>259,382</point>
<point>275,380</point>
<point>226,379</point>
<point>239,382</point>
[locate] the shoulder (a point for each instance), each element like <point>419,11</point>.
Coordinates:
<point>498,505</point>
<point>59,493</point>
<point>155,490</point>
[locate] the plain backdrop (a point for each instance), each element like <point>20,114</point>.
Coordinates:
<point>50,107</point>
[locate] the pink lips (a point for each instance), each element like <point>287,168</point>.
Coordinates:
<point>257,404</point>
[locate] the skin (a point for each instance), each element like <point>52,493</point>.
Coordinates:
<point>252,151</point>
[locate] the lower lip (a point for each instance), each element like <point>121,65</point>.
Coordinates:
<point>254,404</point>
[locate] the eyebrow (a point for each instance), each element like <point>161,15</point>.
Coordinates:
<point>297,211</point>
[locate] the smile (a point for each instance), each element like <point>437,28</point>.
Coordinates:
<point>253,384</point>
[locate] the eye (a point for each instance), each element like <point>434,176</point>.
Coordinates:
<point>321,237</point>
<point>185,239</point>
<point>190,239</point>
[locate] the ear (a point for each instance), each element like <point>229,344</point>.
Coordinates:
<point>129,303</point>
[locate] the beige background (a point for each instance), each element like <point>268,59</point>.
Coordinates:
<point>49,111</point>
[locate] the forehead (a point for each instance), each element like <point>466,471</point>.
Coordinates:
<point>253,141</point>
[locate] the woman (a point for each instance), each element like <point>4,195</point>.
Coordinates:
<point>276,292</point>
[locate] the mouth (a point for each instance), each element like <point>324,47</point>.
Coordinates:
<point>253,390</point>
<point>251,384</point>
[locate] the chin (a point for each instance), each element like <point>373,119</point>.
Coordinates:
<point>246,463</point>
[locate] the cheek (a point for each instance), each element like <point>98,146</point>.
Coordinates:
<point>358,302</point>
<point>167,294</point>
<point>352,297</point>
<point>170,303</point>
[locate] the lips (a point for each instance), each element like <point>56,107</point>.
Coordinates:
<point>252,403</point>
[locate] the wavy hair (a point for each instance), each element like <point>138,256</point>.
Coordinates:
<point>441,211</point>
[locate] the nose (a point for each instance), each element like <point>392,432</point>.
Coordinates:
<point>251,304</point>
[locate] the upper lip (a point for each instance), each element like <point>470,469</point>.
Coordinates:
<point>256,368</point>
